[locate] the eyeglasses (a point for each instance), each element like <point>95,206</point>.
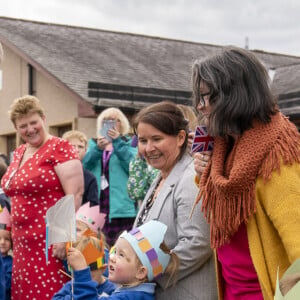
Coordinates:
<point>202,100</point>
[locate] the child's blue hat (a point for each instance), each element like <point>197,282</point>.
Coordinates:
<point>145,241</point>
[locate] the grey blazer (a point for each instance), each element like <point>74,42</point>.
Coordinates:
<point>187,237</point>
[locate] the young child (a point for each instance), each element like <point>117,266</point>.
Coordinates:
<point>79,141</point>
<point>91,251</point>
<point>139,257</point>
<point>5,247</point>
<point>88,217</point>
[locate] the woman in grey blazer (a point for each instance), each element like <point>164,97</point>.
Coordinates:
<point>162,140</point>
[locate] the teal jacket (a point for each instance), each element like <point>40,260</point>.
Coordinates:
<point>120,204</point>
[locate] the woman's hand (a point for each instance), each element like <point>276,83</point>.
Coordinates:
<point>201,160</point>
<point>59,251</point>
<point>102,142</point>
<point>76,259</point>
<point>113,133</point>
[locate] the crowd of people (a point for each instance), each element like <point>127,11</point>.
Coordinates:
<point>155,220</point>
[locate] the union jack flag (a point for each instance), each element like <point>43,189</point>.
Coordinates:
<point>202,141</point>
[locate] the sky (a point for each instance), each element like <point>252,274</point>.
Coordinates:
<point>272,26</point>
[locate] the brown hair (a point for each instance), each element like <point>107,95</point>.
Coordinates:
<point>171,269</point>
<point>25,105</point>
<point>173,266</point>
<point>167,117</point>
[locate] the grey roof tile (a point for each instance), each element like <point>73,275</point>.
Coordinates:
<point>76,55</point>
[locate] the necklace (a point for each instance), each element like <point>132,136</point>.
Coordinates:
<point>149,204</point>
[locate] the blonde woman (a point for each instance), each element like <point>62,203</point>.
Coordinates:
<point>108,158</point>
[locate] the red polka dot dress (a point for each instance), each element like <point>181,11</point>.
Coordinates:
<point>33,188</point>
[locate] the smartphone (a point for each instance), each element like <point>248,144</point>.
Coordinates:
<point>106,125</point>
<point>202,140</point>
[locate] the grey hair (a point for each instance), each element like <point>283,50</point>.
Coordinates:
<point>239,90</point>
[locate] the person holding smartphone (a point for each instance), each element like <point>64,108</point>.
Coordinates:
<point>108,158</point>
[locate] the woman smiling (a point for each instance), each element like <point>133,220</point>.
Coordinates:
<point>162,139</point>
<point>43,170</point>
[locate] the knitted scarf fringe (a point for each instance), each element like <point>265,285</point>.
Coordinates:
<point>225,213</point>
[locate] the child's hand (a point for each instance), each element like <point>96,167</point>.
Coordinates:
<point>59,250</point>
<point>76,259</point>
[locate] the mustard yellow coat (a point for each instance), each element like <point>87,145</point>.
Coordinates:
<point>274,230</point>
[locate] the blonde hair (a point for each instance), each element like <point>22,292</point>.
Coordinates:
<point>25,105</point>
<point>116,113</point>
<point>190,115</point>
<point>83,241</point>
<point>81,227</point>
<point>75,134</point>
<point>171,269</point>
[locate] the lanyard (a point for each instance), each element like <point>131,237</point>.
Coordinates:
<point>106,155</point>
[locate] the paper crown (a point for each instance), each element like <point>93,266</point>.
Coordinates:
<point>91,216</point>
<point>5,219</point>
<point>145,241</point>
<point>93,256</point>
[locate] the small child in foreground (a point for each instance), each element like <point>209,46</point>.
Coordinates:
<point>139,257</point>
<point>91,251</point>
<point>87,254</point>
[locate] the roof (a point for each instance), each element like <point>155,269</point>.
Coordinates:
<point>286,84</point>
<point>76,55</point>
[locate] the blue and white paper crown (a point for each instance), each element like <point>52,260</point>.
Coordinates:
<point>145,241</point>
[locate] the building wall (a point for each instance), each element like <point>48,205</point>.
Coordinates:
<point>61,107</point>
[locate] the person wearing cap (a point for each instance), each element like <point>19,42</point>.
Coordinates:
<point>138,257</point>
<point>5,248</point>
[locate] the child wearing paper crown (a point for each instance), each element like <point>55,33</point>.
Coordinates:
<point>5,247</point>
<point>138,257</point>
<point>91,251</point>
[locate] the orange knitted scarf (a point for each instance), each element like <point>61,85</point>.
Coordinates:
<point>228,183</point>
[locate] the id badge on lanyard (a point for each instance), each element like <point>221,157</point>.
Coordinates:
<point>104,181</point>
